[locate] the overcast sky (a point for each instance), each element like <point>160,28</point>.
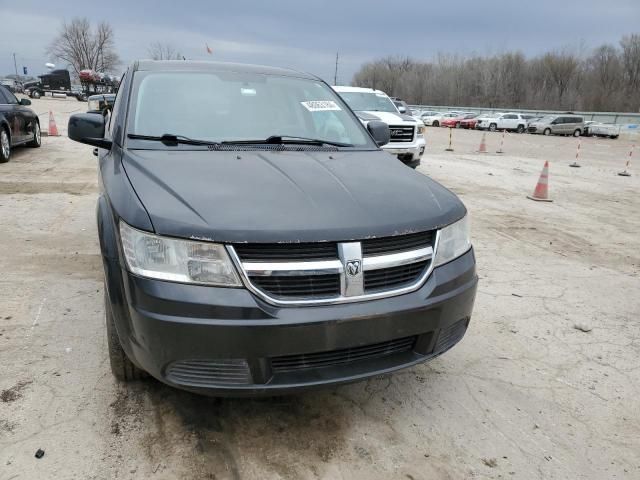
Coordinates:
<point>306,35</point>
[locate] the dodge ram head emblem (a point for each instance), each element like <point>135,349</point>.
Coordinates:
<point>395,132</point>
<point>353,267</point>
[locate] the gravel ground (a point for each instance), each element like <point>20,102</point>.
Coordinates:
<point>528,394</point>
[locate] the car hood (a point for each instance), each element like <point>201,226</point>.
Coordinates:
<point>389,118</point>
<point>286,196</point>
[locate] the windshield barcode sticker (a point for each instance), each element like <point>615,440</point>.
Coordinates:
<point>320,105</point>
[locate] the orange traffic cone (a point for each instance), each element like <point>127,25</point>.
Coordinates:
<point>541,193</point>
<point>483,143</point>
<point>53,130</point>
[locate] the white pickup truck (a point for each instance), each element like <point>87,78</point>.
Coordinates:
<point>407,133</point>
<point>503,121</point>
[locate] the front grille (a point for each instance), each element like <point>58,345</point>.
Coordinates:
<point>401,133</point>
<point>344,356</point>
<point>209,373</point>
<point>314,286</point>
<point>532,129</point>
<point>394,277</point>
<point>400,243</point>
<point>308,272</point>
<point>256,252</point>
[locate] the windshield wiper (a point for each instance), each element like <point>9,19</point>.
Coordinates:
<point>172,140</point>
<point>288,140</point>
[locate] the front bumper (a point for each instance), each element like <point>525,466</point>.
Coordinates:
<point>415,148</point>
<point>228,342</point>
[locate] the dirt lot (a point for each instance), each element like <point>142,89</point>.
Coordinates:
<point>525,395</point>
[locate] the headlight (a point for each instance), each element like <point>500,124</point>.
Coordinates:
<point>454,241</point>
<point>175,260</point>
<point>420,129</point>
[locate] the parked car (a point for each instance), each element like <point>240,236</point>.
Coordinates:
<point>598,129</point>
<point>470,121</point>
<point>407,134</point>
<point>19,124</point>
<point>503,121</point>
<point>438,118</point>
<point>456,122</point>
<point>256,240</point>
<point>565,124</point>
<point>13,85</point>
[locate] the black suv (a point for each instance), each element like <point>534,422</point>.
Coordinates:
<point>19,124</point>
<point>256,239</point>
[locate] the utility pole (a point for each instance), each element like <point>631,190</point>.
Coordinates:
<point>15,66</point>
<point>335,75</point>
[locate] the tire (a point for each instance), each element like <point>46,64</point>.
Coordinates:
<point>576,132</point>
<point>37,137</point>
<point>435,123</point>
<point>520,129</point>
<point>493,127</point>
<point>5,145</point>
<point>613,137</point>
<point>547,132</point>
<point>35,94</point>
<point>121,367</point>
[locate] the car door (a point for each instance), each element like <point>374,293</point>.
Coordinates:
<point>508,122</point>
<point>557,126</point>
<point>26,118</point>
<point>9,104</point>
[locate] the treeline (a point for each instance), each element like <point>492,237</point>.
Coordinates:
<point>604,79</point>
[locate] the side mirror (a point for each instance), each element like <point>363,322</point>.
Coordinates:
<point>25,101</point>
<point>88,128</point>
<point>379,131</point>
<point>402,109</point>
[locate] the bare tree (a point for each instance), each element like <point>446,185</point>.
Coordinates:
<point>631,60</point>
<point>163,51</point>
<point>608,79</point>
<point>83,48</point>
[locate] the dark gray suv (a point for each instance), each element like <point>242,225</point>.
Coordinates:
<point>257,240</point>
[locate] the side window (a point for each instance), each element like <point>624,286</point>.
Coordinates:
<point>7,97</point>
<point>510,117</point>
<point>578,120</point>
<point>3,99</point>
<point>116,106</point>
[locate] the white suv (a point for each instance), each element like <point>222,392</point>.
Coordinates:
<point>504,121</point>
<point>407,139</point>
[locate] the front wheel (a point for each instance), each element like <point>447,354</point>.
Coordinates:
<point>547,131</point>
<point>493,127</point>
<point>121,367</point>
<point>35,94</point>
<point>36,141</point>
<point>576,132</point>
<point>5,146</point>
<point>435,123</point>
<point>520,129</point>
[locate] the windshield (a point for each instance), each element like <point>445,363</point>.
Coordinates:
<point>230,106</point>
<point>368,101</point>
